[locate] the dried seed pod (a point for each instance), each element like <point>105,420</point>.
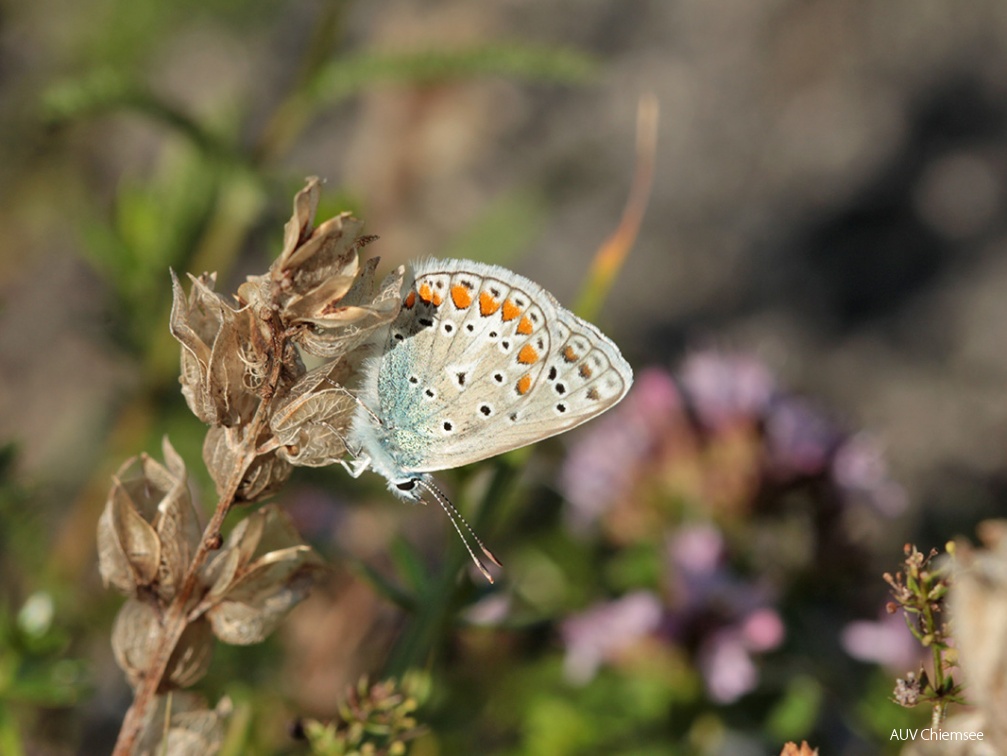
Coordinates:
<point>149,528</point>
<point>341,326</point>
<point>262,572</point>
<point>220,345</point>
<point>311,421</point>
<point>192,729</point>
<point>136,636</point>
<point>224,449</point>
<point>311,257</point>
<point>192,655</point>
<point>266,474</point>
<point>129,550</point>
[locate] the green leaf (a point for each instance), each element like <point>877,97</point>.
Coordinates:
<point>795,714</point>
<point>555,727</point>
<point>86,95</point>
<point>409,565</point>
<point>10,736</point>
<point>104,90</point>
<point>345,77</point>
<point>383,586</point>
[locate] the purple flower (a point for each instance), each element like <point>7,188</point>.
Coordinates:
<point>727,668</point>
<point>726,388</point>
<point>887,642</point>
<point>727,617</point>
<point>491,610</point>
<point>799,438</point>
<point>726,658</point>
<point>762,630</point>
<point>859,470</point>
<point>704,591</point>
<point>697,549</point>
<point>605,461</point>
<point>603,631</point>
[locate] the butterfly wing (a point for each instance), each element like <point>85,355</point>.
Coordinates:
<point>480,361</point>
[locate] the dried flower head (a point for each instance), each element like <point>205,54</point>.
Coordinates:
<point>792,749</point>
<point>325,300</point>
<point>309,420</point>
<point>191,728</point>
<point>147,537</point>
<point>137,635</point>
<point>907,689</point>
<point>242,374</point>
<point>239,359</point>
<point>260,574</point>
<point>149,530</point>
<point>224,450</point>
<point>220,344</point>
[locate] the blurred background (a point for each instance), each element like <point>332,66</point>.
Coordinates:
<point>814,306</point>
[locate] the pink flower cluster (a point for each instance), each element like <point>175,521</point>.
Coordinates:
<point>714,446</point>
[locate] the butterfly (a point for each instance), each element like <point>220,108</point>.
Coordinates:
<point>479,361</point>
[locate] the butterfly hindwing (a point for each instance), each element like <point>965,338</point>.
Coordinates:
<point>480,361</point>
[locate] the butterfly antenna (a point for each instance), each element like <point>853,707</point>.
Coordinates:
<point>458,522</point>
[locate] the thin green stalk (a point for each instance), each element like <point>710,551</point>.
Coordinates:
<point>435,609</point>
<point>10,737</point>
<point>940,704</point>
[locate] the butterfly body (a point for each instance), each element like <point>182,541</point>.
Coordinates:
<point>479,361</point>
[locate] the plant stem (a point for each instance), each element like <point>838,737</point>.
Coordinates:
<point>937,715</point>
<point>433,611</point>
<point>176,618</point>
<point>938,684</point>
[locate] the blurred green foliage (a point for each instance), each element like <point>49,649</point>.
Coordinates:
<point>37,668</point>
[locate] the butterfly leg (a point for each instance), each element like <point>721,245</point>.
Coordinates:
<point>356,466</point>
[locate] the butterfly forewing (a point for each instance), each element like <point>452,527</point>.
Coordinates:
<point>481,361</point>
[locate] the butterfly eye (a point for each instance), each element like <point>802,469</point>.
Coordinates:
<point>406,485</point>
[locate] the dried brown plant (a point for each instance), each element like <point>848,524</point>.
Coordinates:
<point>792,749</point>
<point>242,374</point>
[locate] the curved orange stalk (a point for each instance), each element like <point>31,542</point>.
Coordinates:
<point>612,253</point>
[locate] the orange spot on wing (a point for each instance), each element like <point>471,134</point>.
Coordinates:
<point>410,300</point>
<point>585,371</point>
<point>524,384</point>
<point>527,355</point>
<point>524,327</point>
<point>569,355</point>
<point>426,293</point>
<point>593,395</point>
<point>510,311</point>
<point>487,305</point>
<point>461,296</point>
